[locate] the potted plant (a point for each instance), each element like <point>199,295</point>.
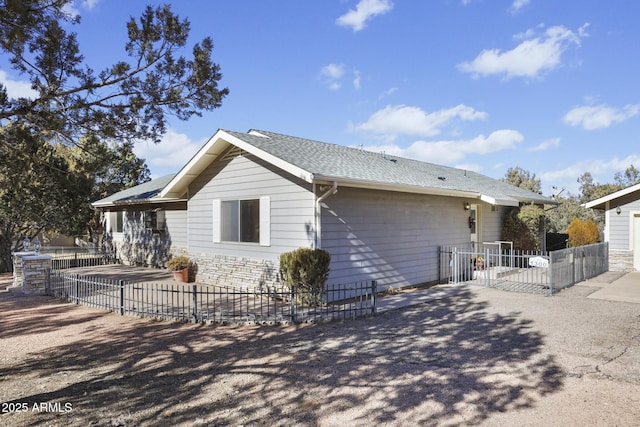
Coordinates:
<point>180,267</point>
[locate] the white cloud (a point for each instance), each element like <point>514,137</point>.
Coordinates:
<point>17,88</point>
<point>406,120</point>
<point>331,75</point>
<point>168,156</point>
<point>591,117</point>
<point>364,11</point>
<point>602,171</point>
<point>448,152</point>
<point>530,58</point>
<point>356,80</point>
<point>387,92</point>
<point>333,71</point>
<point>545,145</point>
<point>89,4</point>
<point>518,4</point>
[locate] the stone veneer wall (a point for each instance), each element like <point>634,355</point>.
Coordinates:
<point>31,271</point>
<point>620,260</point>
<point>237,271</point>
<point>35,272</point>
<point>17,267</point>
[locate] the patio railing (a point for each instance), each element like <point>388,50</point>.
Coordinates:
<point>215,304</point>
<point>493,265</point>
<point>79,258</point>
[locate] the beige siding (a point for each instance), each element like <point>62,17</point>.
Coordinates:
<point>246,177</point>
<point>392,237</point>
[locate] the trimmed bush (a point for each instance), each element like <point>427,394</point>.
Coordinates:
<point>583,233</point>
<point>307,271</point>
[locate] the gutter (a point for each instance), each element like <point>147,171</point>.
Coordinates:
<point>318,214</point>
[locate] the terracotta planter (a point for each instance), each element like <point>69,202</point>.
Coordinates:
<point>181,275</point>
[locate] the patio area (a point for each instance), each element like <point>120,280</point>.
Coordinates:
<point>129,274</point>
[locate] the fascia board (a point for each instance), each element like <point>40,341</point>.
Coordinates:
<point>499,202</point>
<point>375,185</point>
<point>136,202</point>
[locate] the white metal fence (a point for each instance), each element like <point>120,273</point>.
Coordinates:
<point>497,265</point>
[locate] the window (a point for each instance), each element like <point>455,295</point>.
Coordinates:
<point>242,221</point>
<point>154,220</point>
<point>116,221</point>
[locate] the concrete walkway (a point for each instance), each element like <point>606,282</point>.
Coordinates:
<point>625,288</point>
<point>613,286</point>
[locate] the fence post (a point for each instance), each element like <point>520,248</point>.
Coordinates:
<point>374,297</point>
<point>194,312</point>
<point>292,304</point>
<point>550,274</point>
<point>47,283</point>
<point>440,264</point>
<point>121,286</point>
<point>77,288</point>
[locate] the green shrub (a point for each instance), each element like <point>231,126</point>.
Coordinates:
<point>307,271</point>
<point>583,233</point>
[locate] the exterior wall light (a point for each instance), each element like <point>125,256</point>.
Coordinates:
<point>618,210</point>
<point>467,206</point>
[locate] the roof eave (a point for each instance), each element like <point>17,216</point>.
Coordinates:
<point>377,185</point>
<point>119,203</point>
<point>602,201</point>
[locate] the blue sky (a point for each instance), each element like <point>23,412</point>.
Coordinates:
<point>550,86</point>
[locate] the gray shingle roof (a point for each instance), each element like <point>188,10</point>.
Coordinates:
<point>144,192</point>
<point>341,162</point>
<point>346,165</point>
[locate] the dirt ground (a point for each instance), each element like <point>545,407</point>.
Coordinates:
<point>480,357</point>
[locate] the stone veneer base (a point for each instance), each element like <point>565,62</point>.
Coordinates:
<point>620,260</point>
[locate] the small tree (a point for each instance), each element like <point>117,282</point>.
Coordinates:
<point>583,233</point>
<point>522,227</point>
<point>307,271</point>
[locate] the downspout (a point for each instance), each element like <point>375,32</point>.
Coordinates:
<point>318,234</point>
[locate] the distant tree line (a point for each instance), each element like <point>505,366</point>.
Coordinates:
<point>523,225</point>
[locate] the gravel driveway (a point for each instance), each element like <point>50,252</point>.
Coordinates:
<point>480,357</point>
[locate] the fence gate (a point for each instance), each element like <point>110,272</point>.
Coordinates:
<point>496,265</point>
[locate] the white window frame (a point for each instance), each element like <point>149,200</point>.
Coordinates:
<point>264,221</point>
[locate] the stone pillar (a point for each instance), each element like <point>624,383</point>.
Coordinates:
<point>17,267</point>
<point>35,271</point>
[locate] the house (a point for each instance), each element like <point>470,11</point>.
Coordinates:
<point>622,227</point>
<point>136,224</point>
<point>246,198</point>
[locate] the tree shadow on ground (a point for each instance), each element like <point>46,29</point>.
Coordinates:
<point>26,315</point>
<point>447,362</point>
